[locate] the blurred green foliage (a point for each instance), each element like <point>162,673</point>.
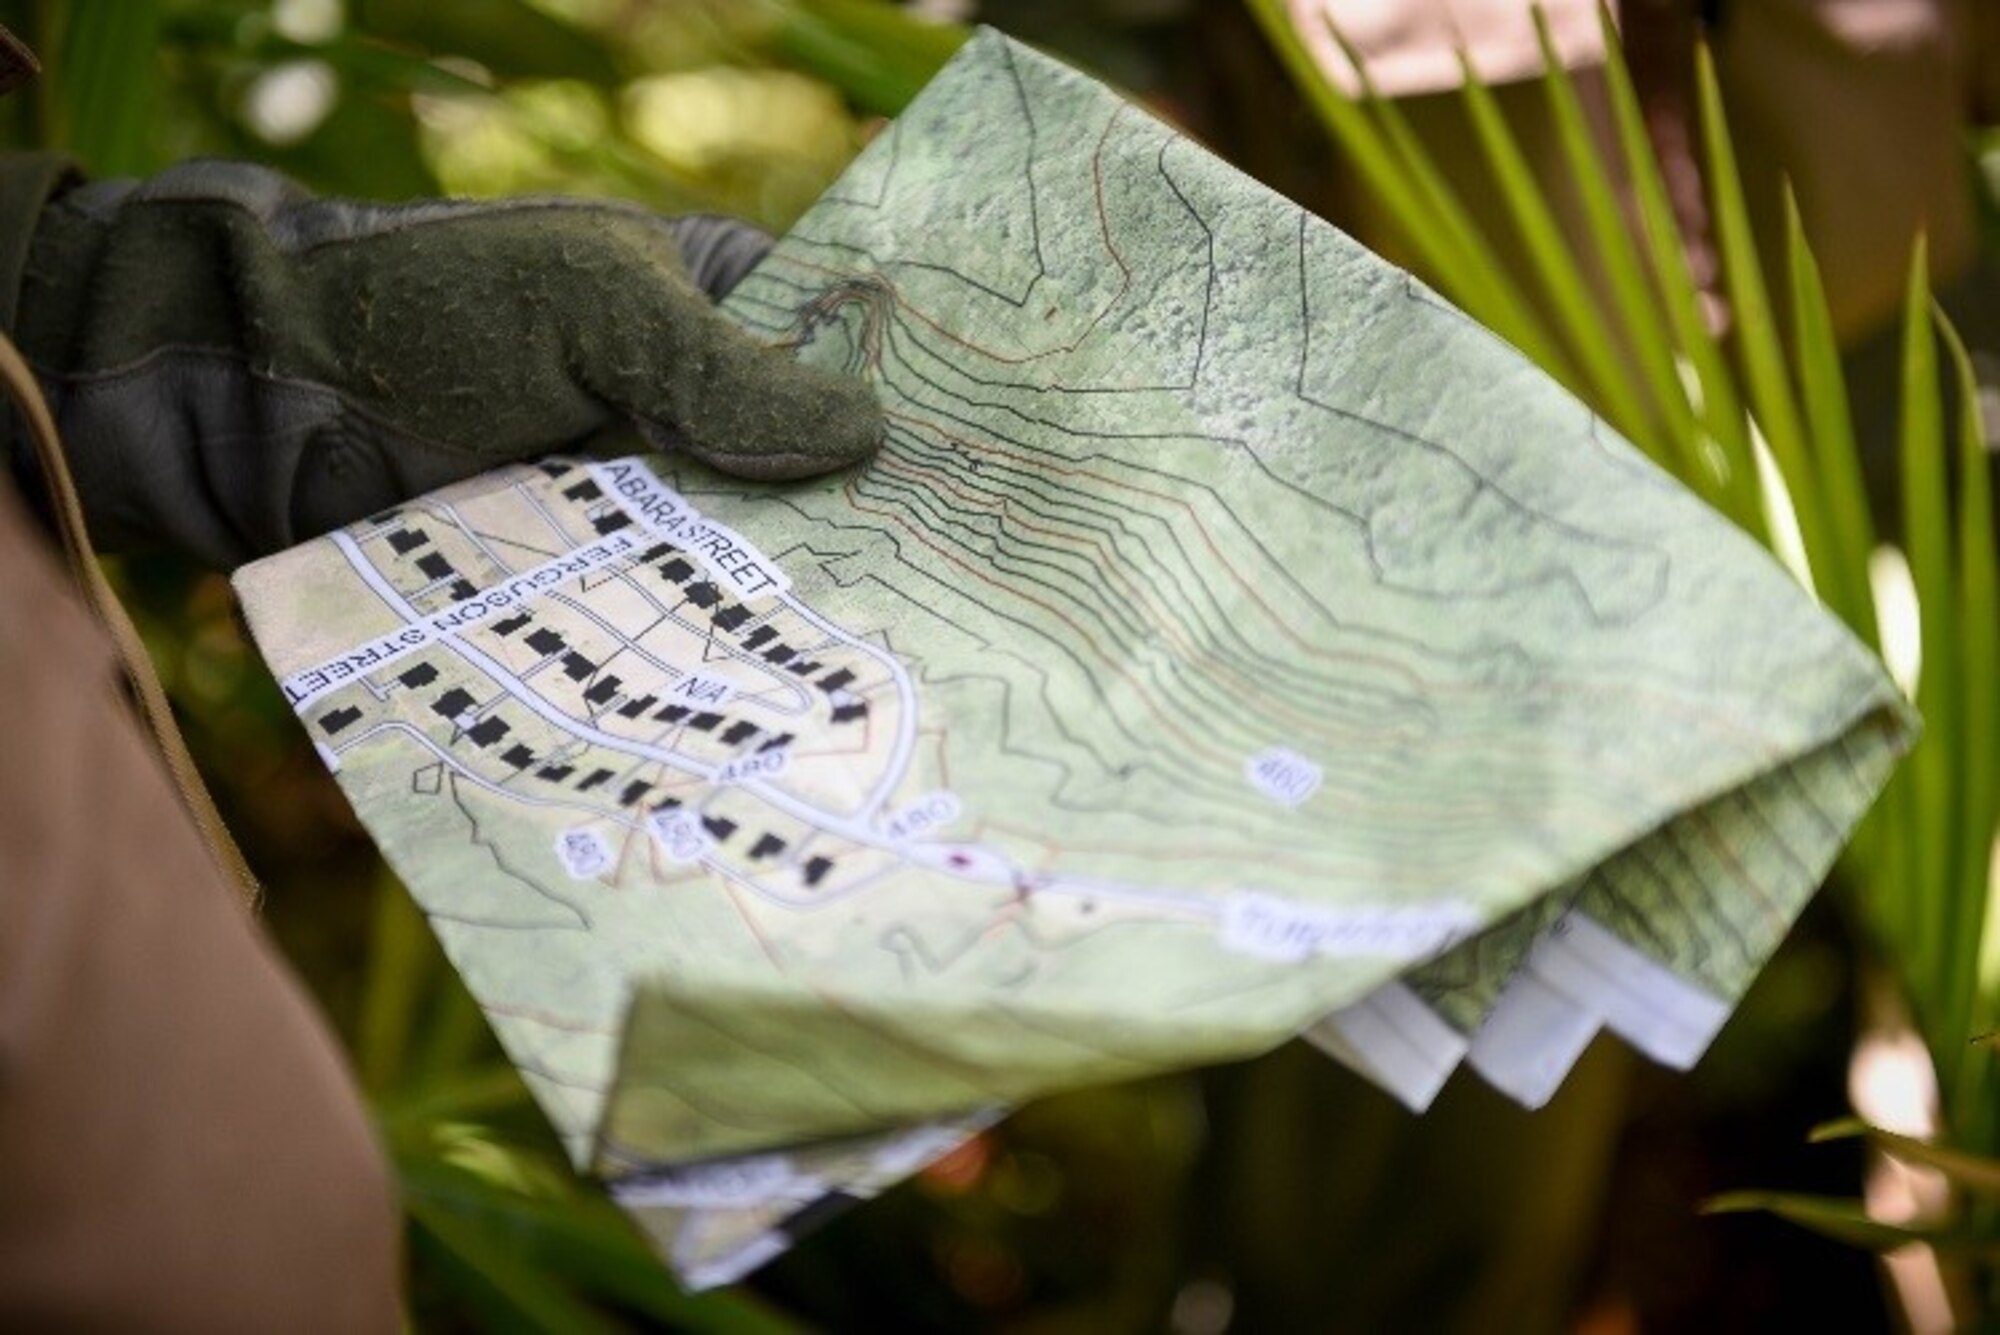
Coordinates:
<point>1280,1194</point>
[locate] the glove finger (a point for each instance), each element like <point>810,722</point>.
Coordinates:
<point>717,250</point>
<point>693,380</point>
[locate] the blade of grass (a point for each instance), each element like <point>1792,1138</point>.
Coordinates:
<point>1835,471</point>
<point>1926,542</point>
<point>1977,641</point>
<point>490,1278</point>
<point>515,39</point>
<point>583,1238</point>
<point>1639,316</point>
<point>1846,1221</point>
<point>1732,487</point>
<point>455,1031</point>
<point>399,959</point>
<point>1973,1172</point>
<point>1562,279</point>
<point>1383,166</point>
<point>1500,305</point>
<point>1368,152</point>
<point>101,81</point>
<point>363,62</point>
<point>470,1094</point>
<point>877,55</point>
<point>1756,331</point>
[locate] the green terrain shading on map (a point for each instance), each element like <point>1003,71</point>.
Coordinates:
<point>1231,641</point>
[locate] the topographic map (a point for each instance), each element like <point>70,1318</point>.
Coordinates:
<point>1231,642</point>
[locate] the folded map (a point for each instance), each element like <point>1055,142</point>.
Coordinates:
<point>1232,641</point>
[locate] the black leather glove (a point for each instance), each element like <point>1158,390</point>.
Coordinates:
<point>236,365</point>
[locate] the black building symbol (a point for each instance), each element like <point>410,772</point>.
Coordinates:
<point>333,720</point>
<point>453,703</point>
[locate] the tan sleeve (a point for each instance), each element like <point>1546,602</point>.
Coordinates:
<point>181,1147</point>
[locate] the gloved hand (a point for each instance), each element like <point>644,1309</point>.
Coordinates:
<point>236,366</point>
